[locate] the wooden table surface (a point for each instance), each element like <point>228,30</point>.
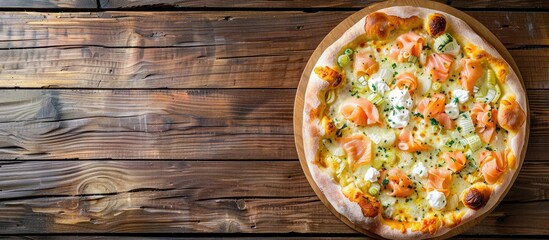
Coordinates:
<point>174,118</point>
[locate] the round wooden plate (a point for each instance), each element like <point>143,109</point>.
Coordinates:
<point>335,34</point>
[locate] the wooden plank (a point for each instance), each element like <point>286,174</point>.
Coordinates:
<point>48,4</point>
<point>530,4</point>
<point>269,30</point>
<point>195,67</point>
<point>171,124</point>
<point>191,124</point>
<point>206,196</point>
<point>45,49</point>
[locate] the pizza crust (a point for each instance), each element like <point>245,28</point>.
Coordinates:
<point>311,132</point>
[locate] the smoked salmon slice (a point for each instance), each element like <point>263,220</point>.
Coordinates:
<point>454,160</point>
<point>407,142</point>
<point>471,71</point>
<point>438,66</point>
<point>406,80</point>
<point>365,63</point>
<point>492,165</point>
<point>433,107</point>
<point>485,119</point>
<point>360,112</point>
<point>399,184</point>
<point>408,44</point>
<point>358,148</point>
<point>439,179</point>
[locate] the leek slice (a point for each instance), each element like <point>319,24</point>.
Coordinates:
<point>349,51</point>
<point>491,77</point>
<point>374,189</point>
<point>498,94</point>
<point>375,98</point>
<point>442,41</point>
<point>474,142</point>
<point>451,48</point>
<point>343,60</point>
<point>466,125</point>
<point>330,96</point>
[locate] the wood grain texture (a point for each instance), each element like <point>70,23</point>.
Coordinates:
<point>196,67</point>
<point>171,124</point>
<point>535,4</point>
<point>48,4</point>
<point>196,197</point>
<point>219,50</point>
<point>271,30</point>
<point>191,124</point>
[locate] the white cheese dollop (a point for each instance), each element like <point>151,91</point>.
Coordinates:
<point>419,170</point>
<point>400,98</point>
<point>399,118</point>
<point>401,102</point>
<point>461,95</point>
<point>378,85</point>
<point>436,199</point>
<point>371,175</point>
<point>452,110</point>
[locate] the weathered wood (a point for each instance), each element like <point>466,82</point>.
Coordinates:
<point>210,53</point>
<point>536,4</point>
<point>48,4</point>
<point>193,67</point>
<point>258,30</point>
<point>206,196</point>
<point>171,124</point>
<point>192,124</point>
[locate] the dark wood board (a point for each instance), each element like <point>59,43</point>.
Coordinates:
<point>206,196</point>
<point>529,4</point>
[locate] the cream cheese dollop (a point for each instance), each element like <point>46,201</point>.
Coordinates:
<point>419,170</point>
<point>452,110</point>
<point>461,95</point>
<point>436,199</point>
<point>371,175</point>
<point>401,102</point>
<point>378,85</point>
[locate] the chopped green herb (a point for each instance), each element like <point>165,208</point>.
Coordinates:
<point>385,182</point>
<point>489,149</point>
<point>433,121</point>
<point>394,65</point>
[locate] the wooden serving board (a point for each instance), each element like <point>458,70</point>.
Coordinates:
<point>338,32</point>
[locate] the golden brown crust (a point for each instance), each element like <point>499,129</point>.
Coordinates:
<point>369,205</point>
<point>436,24</point>
<point>380,25</point>
<point>510,114</point>
<point>328,126</point>
<point>330,75</point>
<point>476,196</point>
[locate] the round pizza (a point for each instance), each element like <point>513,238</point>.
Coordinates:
<point>413,124</point>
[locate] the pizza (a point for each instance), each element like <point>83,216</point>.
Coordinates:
<point>413,124</point>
